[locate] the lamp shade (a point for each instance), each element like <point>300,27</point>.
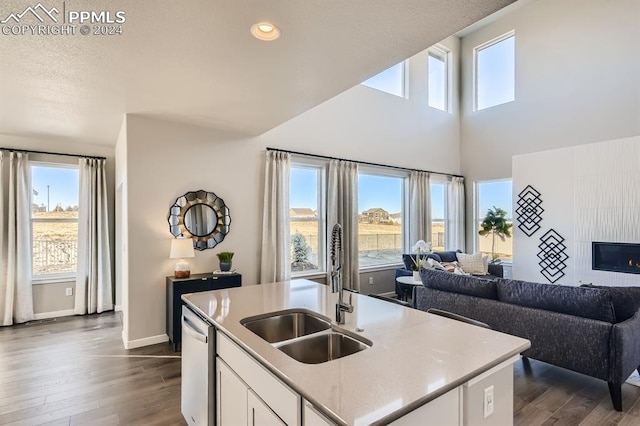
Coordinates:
<point>181,248</point>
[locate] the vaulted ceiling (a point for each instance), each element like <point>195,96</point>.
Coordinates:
<point>195,61</point>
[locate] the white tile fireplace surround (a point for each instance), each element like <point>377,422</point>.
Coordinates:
<point>590,193</point>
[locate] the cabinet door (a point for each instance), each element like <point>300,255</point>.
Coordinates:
<point>231,398</point>
<point>260,414</point>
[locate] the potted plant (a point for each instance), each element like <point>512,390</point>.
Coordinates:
<point>225,258</point>
<point>421,248</point>
<point>495,223</point>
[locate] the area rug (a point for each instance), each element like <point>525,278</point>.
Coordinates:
<point>634,379</point>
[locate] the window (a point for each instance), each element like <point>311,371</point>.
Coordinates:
<point>306,219</point>
<point>438,78</point>
<point>380,201</point>
<point>492,194</point>
<point>390,80</point>
<point>495,72</point>
<point>54,220</point>
<point>438,221</point>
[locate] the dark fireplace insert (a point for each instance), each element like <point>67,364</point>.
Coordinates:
<point>616,257</point>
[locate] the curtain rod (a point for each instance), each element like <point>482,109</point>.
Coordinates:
<point>53,153</point>
<point>362,162</point>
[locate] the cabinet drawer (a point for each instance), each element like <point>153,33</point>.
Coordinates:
<point>278,396</point>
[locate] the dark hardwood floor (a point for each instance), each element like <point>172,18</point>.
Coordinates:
<point>73,371</point>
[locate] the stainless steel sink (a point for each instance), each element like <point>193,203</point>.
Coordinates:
<point>285,325</point>
<point>322,347</point>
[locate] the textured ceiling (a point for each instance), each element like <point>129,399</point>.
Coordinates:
<point>196,62</point>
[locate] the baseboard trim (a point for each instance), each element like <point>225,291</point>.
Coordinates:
<point>118,308</point>
<point>147,341</point>
<point>54,314</point>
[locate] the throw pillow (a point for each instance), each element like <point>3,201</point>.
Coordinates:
<point>450,266</point>
<point>472,263</point>
<point>435,264</point>
<point>626,300</point>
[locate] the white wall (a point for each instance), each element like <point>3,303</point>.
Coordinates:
<point>589,193</point>
<point>577,82</point>
<point>165,160</point>
<point>366,124</point>
<point>49,300</point>
<point>121,277</point>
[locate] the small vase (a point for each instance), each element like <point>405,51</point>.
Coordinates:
<point>225,267</point>
<point>416,275</point>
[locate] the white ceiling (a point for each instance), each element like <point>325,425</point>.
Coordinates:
<point>195,61</point>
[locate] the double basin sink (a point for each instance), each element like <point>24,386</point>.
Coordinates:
<point>305,336</point>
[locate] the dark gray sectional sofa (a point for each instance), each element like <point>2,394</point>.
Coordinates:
<point>591,330</point>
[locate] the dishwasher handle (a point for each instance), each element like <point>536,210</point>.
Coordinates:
<point>191,331</point>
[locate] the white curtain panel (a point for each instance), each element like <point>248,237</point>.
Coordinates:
<point>275,262</point>
<point>16,298</point>
<point>455,234</point>
<point>419,207</point>
<point>93,281</point>
<point>342,208</point>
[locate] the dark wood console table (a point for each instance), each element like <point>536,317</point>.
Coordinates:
<point>176,287</point>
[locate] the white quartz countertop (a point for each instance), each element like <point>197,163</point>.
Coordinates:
<point>415,356</point>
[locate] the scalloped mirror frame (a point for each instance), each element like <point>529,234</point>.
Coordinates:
<point>179,209</point>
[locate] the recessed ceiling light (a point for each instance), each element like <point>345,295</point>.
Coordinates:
<point>265,31</point>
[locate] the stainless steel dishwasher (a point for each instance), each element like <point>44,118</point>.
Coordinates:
<point>198,369</point>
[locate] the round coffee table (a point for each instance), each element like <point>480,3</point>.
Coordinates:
<point>406,284</point>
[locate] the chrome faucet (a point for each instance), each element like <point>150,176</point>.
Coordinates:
<point>336,274</point>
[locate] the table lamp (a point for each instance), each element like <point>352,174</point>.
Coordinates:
<point>181,248</point>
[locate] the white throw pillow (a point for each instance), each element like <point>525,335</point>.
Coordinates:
<point>472,263</point>
<point>435,264</point>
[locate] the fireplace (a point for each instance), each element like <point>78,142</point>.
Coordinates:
<point>616,257</point>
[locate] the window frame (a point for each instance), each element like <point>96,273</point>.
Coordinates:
<point>56,277</point>
<point>444,182</point>
<point>321,167</point>
<point>477,215</point>
<point>443,54</point>
<point>389,172</point>
<point>404,84</point>
<point>478,49</point>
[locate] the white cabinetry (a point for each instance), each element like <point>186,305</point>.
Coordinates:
<point>231,396</point>
<point>277,397</point>
<point>248,394</point>
<point>442,411</point>
<point>260,414</point>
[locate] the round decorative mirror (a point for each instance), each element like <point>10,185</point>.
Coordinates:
<point>201,216</point>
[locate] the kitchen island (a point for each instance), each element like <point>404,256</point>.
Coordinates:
<point>418,366</point>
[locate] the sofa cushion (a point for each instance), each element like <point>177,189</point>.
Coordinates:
<point>626,300</point>
<point>447,256</point>
<point>583,302</point>
<point>463,284</point>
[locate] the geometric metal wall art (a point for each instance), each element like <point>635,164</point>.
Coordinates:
<point>552,256</point>
<point>529,210</point>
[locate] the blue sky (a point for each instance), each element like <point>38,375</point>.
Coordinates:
<point>497,194</point>
<point>63,186</point>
